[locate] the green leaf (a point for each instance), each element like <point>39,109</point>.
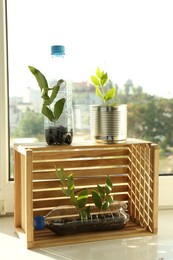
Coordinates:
<point>58,108</point>
<point>98,92</point>
<point>97,200</point>
<point>104,79</point>
<point>110,199</point>
<point>95,80</point>
<point>44,95</point>
<point>101,191</point>
<point>70,183</point>
<point>88,210</point>
<point>42,82</point>
<point>110,94</point>
<point>107,203</point>
<point>85,213</point>
<point>48,113</point>
<point>99,80</point>
<point>99,73</point>
<point>82,198</point>
<point>60,81</point>
<point>108,185</point>
<point>73,199</point>
<point>53,96</point>
<point>55,90</point>
<point>65,191</point>
<point>61,175</point>
<point>113,104</point>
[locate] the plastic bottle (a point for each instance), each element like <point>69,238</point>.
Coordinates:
<point>61,131</point>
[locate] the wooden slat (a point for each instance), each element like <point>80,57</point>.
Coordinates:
<point>65,201</point>
<point>47,210</point>
<point>79,163</point>
<point>58,192</point>
<point>80,153</point>
<point>50,184</point>
<point>17,189</point>
<point>88,144</point>
<point>84,172</point>
<point>154,186</point>
<point>23,192</point>
<point>29,196</point>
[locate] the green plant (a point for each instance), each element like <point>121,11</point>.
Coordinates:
<point>99,80</point>
<point>102,197</point>
<point>78,200</point>
<point>55,112</point>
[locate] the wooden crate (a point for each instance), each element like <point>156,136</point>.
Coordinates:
<point>132,166</point>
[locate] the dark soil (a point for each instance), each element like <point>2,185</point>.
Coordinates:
<point>58,135</point>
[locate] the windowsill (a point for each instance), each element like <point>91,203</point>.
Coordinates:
<point>149,247</point>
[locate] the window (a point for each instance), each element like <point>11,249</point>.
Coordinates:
<point>136,51</point>
<point>129,39</point>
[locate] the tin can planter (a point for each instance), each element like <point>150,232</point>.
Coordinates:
<point>108,124</point>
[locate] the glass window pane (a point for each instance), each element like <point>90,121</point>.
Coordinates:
<point>131,40</point>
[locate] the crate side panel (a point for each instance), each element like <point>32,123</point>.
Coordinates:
<point>141,185</point>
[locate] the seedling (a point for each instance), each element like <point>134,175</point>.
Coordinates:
<point>99,80</point>
<point>102,197</point>
<point>78,198</point>
<point>49,109</point>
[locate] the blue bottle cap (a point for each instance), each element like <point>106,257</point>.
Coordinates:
<point>58,50</point>
<point>39,223</point>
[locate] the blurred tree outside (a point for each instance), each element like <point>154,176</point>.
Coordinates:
<point>31,124</point>
<point>149,117</point>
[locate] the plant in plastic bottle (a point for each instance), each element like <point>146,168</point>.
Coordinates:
<point>52,109</point>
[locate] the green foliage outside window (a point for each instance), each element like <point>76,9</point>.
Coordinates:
<point>149,117</point>
<point>31,124</point>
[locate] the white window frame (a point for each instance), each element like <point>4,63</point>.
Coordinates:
<point>166,192</point>
<point>6,186</point>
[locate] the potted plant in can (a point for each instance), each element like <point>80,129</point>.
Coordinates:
<point>102,214</point>
<point>108,121</point>
<point>52,108</point>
